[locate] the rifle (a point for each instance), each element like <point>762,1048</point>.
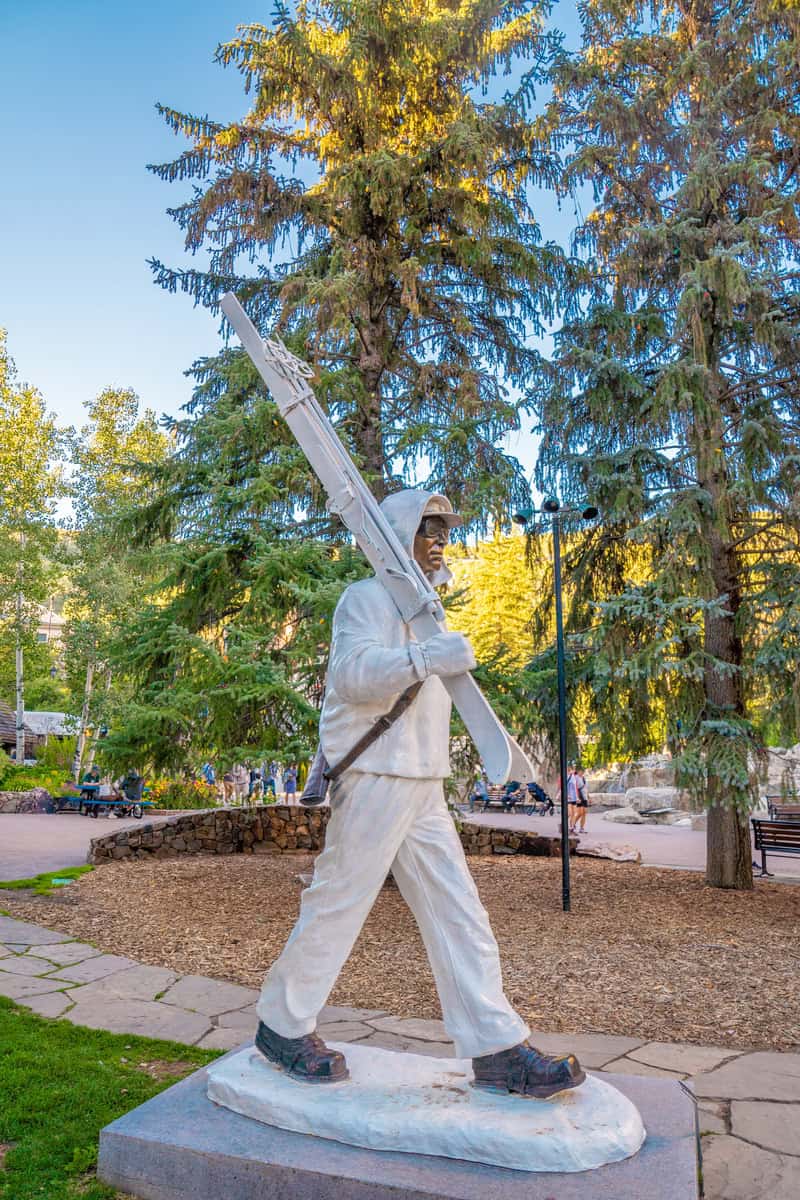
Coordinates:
<point>350,499</point>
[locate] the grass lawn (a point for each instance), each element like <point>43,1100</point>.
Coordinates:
<point>44,885</point>
<point>59,1085</point>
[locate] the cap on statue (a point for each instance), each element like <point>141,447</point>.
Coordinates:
<point>440,506</point>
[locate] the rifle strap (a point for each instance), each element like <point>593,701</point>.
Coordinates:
<point>401,705</point>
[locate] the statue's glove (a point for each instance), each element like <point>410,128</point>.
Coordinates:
<point>447,654</point>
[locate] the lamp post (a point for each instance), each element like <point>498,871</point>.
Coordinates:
<point>552,507</point>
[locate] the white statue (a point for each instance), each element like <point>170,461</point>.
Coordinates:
<point>389,813</point>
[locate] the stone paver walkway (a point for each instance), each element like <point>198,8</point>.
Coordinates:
<point>748,1102</point>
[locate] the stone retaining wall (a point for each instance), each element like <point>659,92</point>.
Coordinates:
<point>276,829</point>
<point>36,800</point>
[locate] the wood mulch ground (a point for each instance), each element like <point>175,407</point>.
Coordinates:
<point>649,953</point>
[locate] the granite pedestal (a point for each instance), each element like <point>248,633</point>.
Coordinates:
<point>181,1146</point>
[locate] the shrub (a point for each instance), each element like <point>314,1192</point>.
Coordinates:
<point>182,793</point>
<point>22,779</point>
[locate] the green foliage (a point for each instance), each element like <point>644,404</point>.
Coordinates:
<point>495,588</point>
<point>673,396</point>
<point>181,793</point>
<point>111,455</point>
<point>413,282</point>
<point>59,1086</point>
<point>29,487</point>
<point>43,692</point>
<point>417,273</point>
<point>57,754</point>
<point>22,779</point>
<point>43,885</point>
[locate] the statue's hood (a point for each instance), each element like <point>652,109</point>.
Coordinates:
<point>404,511</point>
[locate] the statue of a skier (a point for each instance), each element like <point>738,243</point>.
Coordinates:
<point>389,813</point>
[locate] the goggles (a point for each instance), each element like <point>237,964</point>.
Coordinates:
<point>434,529</point>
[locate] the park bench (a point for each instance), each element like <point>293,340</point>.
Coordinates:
<point>495,797</point>
<point>775,837</point>
<point>779,810</point>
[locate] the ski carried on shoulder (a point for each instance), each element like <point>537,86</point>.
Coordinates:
<point>287,378</point>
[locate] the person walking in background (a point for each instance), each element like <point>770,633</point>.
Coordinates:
<point>290,782</point>
<point>582,802</point>
<point>256,788</point>
<point>241,782</point>
<point>228,787</point>
<point>572,796</point>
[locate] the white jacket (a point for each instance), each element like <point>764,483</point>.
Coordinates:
<point>373,659</point>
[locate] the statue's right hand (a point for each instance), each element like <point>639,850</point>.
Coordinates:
<point>448,654</point>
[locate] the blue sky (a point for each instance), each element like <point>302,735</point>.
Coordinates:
<point>80,214</point>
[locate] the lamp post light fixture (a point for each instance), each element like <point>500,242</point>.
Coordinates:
<point>552,508</point>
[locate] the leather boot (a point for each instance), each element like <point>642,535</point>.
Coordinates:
<point>525,1071</point>
<point>306,1058</point>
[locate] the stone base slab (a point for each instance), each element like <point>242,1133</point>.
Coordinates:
<point>181,1146</point>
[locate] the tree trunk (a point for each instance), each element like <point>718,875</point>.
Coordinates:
<point>81,742</point>
<point>728,849</point>
<point>93,747</point>
<point>368,431</point>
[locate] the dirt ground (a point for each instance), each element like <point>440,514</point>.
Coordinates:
<point>645,952</point>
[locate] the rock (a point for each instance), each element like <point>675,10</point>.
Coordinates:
<point>620,853</point>
<point>624,816</point>
<point>656,797</point>
<point>34,800</point>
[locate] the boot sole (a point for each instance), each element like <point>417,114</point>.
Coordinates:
<point>544,1092</point>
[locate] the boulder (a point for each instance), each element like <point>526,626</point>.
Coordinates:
<point>621,853</point>
<point>607,799</point>
<point>624,816</point>
<point>640,798</point>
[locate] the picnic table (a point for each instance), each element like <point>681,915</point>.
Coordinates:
<point>86,799</point>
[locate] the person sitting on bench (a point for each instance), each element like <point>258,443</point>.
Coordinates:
<point>513,792</point>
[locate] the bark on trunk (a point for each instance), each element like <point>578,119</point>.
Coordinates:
<point>81,742</point>
<point>369,426</point>
<point>728,849</point>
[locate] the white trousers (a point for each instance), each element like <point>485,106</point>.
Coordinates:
<point>380,822</point>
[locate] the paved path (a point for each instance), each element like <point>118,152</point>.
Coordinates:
<point>31,843</point>
<point>748,1101</point>
<point>34,842</point>
<point>660,845</point>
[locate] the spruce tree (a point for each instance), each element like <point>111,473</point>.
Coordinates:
<point>372,208</point>
<point>381,207</point>
<point>674,396</point>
